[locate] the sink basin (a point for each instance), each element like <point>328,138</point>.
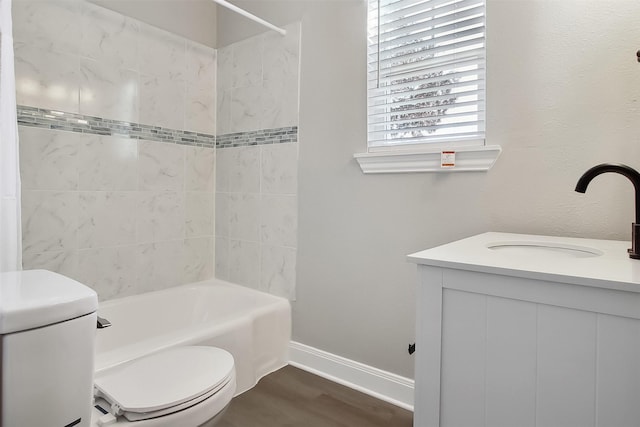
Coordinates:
<point>544,249</point>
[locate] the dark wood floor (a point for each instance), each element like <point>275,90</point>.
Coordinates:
<point>292,397</point>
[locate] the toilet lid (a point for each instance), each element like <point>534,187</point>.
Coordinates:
<point>165,379</point>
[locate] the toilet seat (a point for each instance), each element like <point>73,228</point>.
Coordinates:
<point>165,382</point>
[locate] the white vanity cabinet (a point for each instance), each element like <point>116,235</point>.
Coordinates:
<point>529,334</point>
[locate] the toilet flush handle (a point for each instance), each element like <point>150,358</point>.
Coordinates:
<point>103,323</point>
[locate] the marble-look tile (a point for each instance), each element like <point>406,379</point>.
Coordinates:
<point>199,214</point>
<point>109,38</point>
<point>282,54</point>
<point>160,216</point>
<point>279,220</point>
<point>176,90</point>
<point>48,159</point>
<point>160,166</point>
<point>223,111</point>
<point>108,163</point>
<point>111,272</point>
<point>200,168</point>
<point>51,25</point>
<point>200,110</point>
<point>224,68</point>
<point>222,215</point>
<point>63,262</point>
<point>222,258</point>
<point>161,54</point>
<point>246,108</point>
<point>279,103</point>
<point>198,259</point>
<point>279,168</point>
<point>264,74</point>
<point>278,271</point>
<point>159,265</point>
<point>244,217</point>
<point>247,62</point>
<point>46,79</point>
<point>201,66</point>
<point>244,169</point>
<point>108,92</point>
<point>162,101</point>
<point>224,161</point>
<point>49,221</point>
<point>244,263</point>
<point>106,219</point>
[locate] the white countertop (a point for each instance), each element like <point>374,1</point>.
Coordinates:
<point>609,266</point>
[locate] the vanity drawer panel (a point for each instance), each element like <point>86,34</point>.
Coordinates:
<point>511,363</point>
<point>566,367</point>
<point>508,363</point>
<point>463,359</point>
<point>618,375</point>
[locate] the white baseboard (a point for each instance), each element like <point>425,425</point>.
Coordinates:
<point>375,382</point>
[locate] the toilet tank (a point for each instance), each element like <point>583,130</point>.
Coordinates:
<point>47,332</point>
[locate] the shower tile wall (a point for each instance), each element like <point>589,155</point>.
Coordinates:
<point>123,215</point>
<point>256,218</point>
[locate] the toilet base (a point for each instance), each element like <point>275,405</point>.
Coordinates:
<point>215,420</point>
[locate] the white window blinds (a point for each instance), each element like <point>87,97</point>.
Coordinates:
<point>426,71</point>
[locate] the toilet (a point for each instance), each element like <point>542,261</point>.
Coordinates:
<point>47,335</point>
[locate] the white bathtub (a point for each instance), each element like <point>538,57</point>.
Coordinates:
<point>253,326</point>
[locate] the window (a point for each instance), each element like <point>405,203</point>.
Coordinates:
<point>426,68</point>
<point>426,87</point>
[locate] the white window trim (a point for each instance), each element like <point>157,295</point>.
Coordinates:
<point>467,159</point>
<point>470,155</point>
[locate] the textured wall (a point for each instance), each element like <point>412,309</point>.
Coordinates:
<point>568,103</point>
<point>122,213</point>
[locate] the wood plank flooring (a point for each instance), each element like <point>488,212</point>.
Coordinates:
<point>291,397</point>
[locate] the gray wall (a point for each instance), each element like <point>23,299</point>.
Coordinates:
<point>562,90</point>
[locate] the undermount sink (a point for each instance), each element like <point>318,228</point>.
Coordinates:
<point>533,248</point>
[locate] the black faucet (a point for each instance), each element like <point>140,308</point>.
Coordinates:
<point>634,177</point>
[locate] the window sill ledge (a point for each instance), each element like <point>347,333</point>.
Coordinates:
<point>468,159</point>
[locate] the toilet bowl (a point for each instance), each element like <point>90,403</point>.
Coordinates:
<point>181,386</point>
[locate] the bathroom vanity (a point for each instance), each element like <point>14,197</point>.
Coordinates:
<point>521,330</point>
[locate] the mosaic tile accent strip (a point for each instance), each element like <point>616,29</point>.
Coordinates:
<point>258,137</point>
<point>73,122</point>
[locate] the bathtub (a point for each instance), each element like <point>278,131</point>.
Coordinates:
<point>254,327</point>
